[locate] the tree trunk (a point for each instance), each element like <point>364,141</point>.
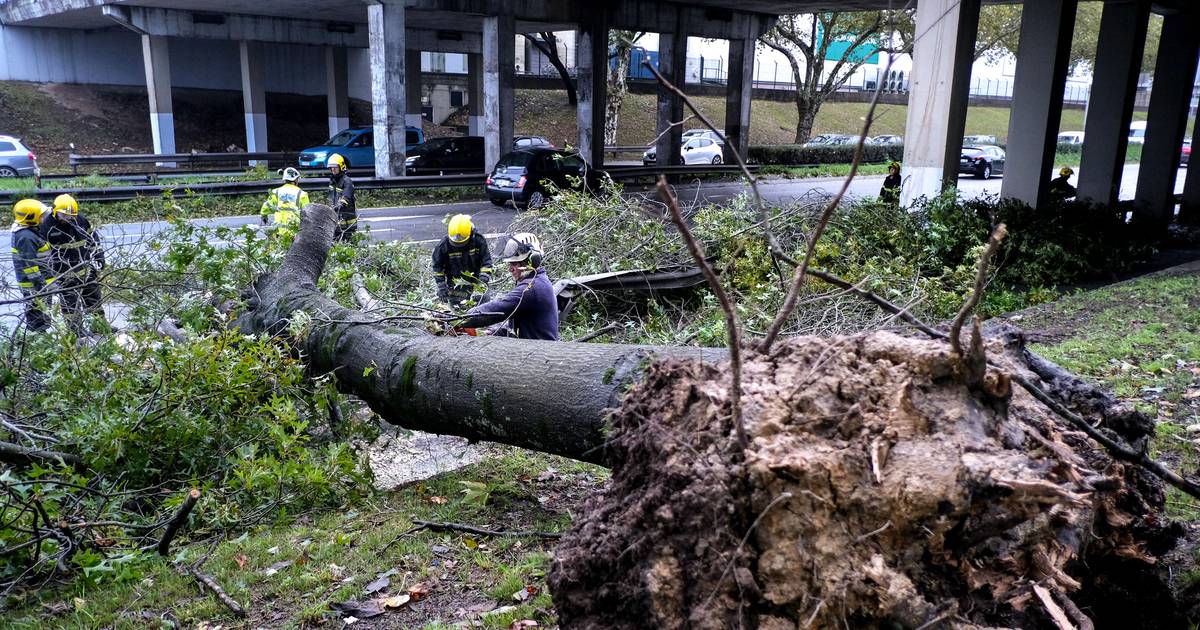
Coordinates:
<point>806,116</point>
<point>541,395</point>
<point>548,45</point>
<point>617,88</point>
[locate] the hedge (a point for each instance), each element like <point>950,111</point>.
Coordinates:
<point>796,154</point>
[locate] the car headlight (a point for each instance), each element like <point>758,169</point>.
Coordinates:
<point>410,160</point>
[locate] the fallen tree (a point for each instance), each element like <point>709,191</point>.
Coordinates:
<point>545,396</point>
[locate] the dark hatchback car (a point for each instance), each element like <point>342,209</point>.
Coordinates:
<point>527,177</point>
<point>446,156</point>
<point>982,161</point>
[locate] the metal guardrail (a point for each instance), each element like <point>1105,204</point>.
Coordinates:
<point>125,193</point>
<point>190,159</point>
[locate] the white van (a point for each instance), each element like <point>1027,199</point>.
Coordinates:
<point>1137,132</point>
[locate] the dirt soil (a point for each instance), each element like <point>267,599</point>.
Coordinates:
<point>882,488</point>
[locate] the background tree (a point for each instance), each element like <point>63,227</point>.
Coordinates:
<point>547,43</point>
<point>999,31</point>
<point>620,46</point>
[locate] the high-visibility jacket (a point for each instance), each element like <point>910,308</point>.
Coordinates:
<point>284,205</point>
<point>30,255</point>
<point>74,245</point>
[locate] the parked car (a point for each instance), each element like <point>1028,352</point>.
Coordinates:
<point>887,140</point>
<point>16,160</point>
<point>697,149</point>
<point>978,140</point>
<point>1070,137</point>
<point>1137,132</point>
<point>357,145</point>
<point>827,139</point>
<point>442,156</point>
<point>982,162</point>
<point>1185,155</point>
<point>528,177</point>
<point>529,142</point>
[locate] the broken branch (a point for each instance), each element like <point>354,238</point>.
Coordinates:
<point>177,521</point>
<point>968,307</point>
<point>218,592</point>
<point>470,529</point>
<point>16,454</point>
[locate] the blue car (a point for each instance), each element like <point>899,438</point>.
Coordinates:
<point>357,145</point>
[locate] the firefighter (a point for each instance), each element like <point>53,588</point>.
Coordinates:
<point>530,310</point>
<point>283,205</point>
<point>76,258</point>
<point>462,263</point>
<point>30,255</point>
<point>1060,187</point>
<point>890,193</point>
<point>341,197</point>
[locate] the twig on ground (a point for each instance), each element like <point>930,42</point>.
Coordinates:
<point>1053,609</point>
<point>218,592</point>
<point>873,532</point>
<point>732,326</point>
<point>16,454</point>
<point>597,333</point>
<point>177,521</point>
<point>1083,621</point>
<point>471,529</point>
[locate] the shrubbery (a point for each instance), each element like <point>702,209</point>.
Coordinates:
<point>794,154</point>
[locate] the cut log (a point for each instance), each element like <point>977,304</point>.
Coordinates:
<point>542,395</point>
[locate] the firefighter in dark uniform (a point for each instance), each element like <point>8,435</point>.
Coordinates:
<point>341,197</point>
<point>890,192</point>
<point>1060,187</point>
<point>30,255</point>
<point>76,258</point>
<point>462,264</point>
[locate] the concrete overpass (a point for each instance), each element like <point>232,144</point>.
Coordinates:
<point>395,31</point>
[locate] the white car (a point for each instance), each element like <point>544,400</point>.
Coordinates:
<point>1137,132</point>
<point>700,150</point>
<point>696,149</point>
<point>1070,137</point>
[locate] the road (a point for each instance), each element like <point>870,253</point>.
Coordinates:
<point>424,224</point>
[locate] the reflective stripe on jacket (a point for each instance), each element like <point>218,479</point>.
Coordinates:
<point>283,205</point>
<point>31,258</point>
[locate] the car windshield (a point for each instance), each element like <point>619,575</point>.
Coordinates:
<point>430,146</point>
<point>412,137</point>
<point>342,138</point>
<point>972,151</point>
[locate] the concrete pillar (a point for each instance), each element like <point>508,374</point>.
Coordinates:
<point>385,23</point>
<point>672,63</point>
<point>336,90</point>
<point>412,87</point>
<point>738,97</point>
<point>254,97</point>
<point>939,89</point>
<point>1042,58</point>
<point>157,61</point>
<point>1189,210</point>
<point>1166,121</point>
<point>1110,108</point>
<point>475,94</point>
<point>499,77</point>
<point>591,62</point>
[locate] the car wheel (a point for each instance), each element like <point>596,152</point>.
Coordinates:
<point>716,159</point>
<point>986,173</point>
<point>536,200</point>
<point>8,171</point>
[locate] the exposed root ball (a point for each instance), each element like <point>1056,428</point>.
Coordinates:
<point>880,490</point>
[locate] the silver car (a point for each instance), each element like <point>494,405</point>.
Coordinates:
<point>16,160</point>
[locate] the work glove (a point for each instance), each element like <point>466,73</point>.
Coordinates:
<point>485,279</point>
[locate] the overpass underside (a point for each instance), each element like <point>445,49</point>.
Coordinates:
<point>395,32</point>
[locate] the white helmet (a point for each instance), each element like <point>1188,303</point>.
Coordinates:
<point>291,175</point>
<point>521,247</point>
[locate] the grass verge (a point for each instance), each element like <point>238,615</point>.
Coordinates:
<point>288,575</point>
<point>1141,339</point>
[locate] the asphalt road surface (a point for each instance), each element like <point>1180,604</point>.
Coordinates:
<point>424,224</point>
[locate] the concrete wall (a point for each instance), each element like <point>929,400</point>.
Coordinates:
<point>114,57</point>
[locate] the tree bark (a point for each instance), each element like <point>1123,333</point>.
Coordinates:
<point>541,395</point>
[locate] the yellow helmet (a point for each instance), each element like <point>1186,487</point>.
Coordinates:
<point>460,228</point>
<point>66,204</point>
<point>894,164</point>
<point>1066,171</point>
<point>337,160</point>
<point>28,212</point>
